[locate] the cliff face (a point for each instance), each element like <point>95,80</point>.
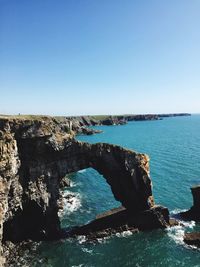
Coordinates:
<point>34,157</point>
<point>82,121</point>
<point>9,178</point>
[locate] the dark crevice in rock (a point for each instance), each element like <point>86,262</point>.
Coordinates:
<point>26,224</point>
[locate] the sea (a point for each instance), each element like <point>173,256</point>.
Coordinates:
<point>173,145</point>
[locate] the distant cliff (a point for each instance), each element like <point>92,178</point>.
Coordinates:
<point>82,124</point>
<point>82,121</point>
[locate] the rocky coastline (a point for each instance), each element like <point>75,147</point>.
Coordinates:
<point>37,153</point>
<point>85,121</point>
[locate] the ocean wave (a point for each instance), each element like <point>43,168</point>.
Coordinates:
<point>189,224</point>
<point>177,232</point>
<point>71,202</point>
<point>186,224</point>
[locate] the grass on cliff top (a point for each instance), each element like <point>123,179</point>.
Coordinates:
<point>99,117</point>
<point>24,117</point>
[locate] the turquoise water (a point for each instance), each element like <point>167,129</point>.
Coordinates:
<point>173,145</point>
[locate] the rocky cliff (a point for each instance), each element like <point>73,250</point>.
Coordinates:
<point>84,121</point>
<point>35,154</point>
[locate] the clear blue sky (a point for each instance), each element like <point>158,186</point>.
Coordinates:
<point>69,57</point>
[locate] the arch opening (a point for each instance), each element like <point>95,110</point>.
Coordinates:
<point>87,197</point>
<point>46,160</point>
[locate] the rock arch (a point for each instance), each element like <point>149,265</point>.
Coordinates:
<point>126,171</point>
<point>46,160</point>
<point>35,155</point>
<point>36,152</point>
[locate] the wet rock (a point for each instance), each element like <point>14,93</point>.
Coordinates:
<point>192,239</point>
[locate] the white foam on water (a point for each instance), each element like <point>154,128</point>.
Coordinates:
<point>71,202</point>
<point>103,240</point>
<point>176,233</point>
<point>124,234</point>
<point>189,224</point>
<point>81,239</point>
<point>176,211</point>
<point>87,250</point>
<point>72,184</point>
